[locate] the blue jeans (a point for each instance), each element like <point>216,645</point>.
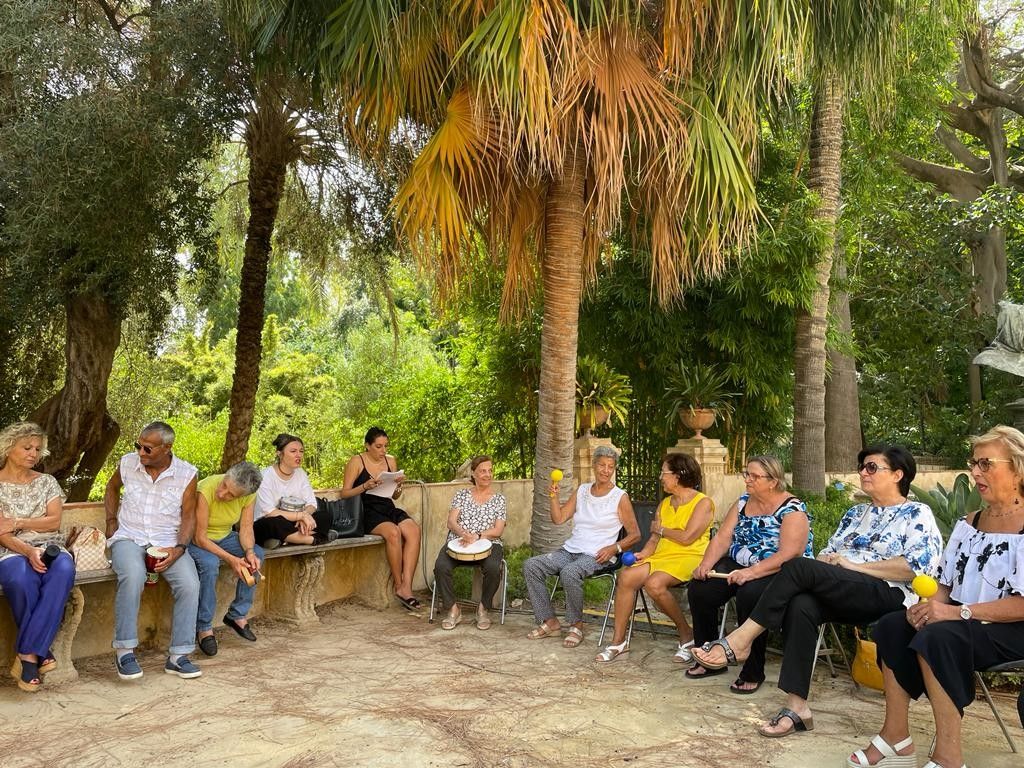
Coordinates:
<point>129,563</point>
<point>208,565</point>
<point>37,600</point>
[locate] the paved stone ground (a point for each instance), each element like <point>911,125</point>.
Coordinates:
<point>375,688</point>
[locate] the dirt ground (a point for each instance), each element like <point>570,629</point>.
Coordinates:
<point>375,688</point>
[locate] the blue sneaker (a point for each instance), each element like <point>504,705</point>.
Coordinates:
<point>128,667</point>
<point>183,667</point>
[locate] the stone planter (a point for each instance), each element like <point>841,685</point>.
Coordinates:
<point>591,418</point>
<point>697,419</point>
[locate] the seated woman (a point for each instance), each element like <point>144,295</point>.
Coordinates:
<point>285,479</point>
<point>765,528</point>
<point>679,536</point>
<point>864,572</point>
<point>31,504</point>
<point>476,513</point>
<point>223,501</point>
<point>599,511</point>
<point>974,621</point>
<point>380,515</point>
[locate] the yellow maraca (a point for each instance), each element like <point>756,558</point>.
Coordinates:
<point>924,586</point>
<point>556,476</point>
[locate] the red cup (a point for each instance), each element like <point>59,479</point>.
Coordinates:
<point>153,556</point>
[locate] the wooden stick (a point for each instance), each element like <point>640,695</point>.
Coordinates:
<point>717,575</point>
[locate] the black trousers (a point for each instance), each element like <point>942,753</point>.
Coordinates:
<point>807,593</point>
<point>278,527</point>
<point>444,576</point>
<point>706,597</point>
<point>953,650</point>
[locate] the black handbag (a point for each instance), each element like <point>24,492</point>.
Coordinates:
<point>346,515</point>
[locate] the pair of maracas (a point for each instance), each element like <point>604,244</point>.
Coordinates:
<point>628,558</point>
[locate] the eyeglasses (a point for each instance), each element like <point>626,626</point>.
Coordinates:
<point>144,448</point>
<point>985,464</point>
<point>752,476</point>
<point>871,467</point>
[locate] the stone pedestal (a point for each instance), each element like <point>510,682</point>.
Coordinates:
<point>712,457</point>
<point>583,456</point>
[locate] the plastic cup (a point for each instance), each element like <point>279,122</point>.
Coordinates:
<point>153,556</point>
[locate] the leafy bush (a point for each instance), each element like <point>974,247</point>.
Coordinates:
<point>825,512</point>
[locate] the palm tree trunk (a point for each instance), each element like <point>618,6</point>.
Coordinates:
<point>80,431</point>
<point>809,389</point>
<point>271,146</point>
<point>842,404</point>
<point>562,276</point>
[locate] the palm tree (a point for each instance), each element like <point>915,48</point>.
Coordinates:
<point>854,46</point>
<point>542,127</point>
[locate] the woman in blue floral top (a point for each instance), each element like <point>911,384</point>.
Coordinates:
<point>974,621</point>
<point>764,528</point>
<point>863,573</point>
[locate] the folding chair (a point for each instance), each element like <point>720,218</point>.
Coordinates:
<point>826,651</point>
<point>477,586</point>
<point>1011,667</point>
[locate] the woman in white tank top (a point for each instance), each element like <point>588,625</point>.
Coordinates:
<point>599,511</point>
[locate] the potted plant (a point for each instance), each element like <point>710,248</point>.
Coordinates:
<point>602,394</point>
<point>699,392</point>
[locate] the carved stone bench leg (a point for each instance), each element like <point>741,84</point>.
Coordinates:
<point>65,671</point>
<point>294,588</point>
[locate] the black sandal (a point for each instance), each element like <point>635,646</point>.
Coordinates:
<point>409,603</point>
<point>737,688</point>
<point>705,673</point>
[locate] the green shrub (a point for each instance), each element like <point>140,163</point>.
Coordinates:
<point>826,512</point>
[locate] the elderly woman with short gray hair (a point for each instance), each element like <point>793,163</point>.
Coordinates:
<point>599,511</point>
<point>222,501</point>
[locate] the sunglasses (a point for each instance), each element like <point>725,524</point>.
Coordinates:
<point>985,464</point>
<point>871,467</point>
<point>144,448</point>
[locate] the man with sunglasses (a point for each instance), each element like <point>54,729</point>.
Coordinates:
<point>157,509</point>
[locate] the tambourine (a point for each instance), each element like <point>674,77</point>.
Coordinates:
<point>478,550</point>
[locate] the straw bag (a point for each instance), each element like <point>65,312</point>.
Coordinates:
<point>88,546</point>
<point>865,663</point>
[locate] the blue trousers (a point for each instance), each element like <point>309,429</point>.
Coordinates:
<point>37,599</point>
<point>208,565</point>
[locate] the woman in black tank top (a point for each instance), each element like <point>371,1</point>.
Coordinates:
<point>381,517</point>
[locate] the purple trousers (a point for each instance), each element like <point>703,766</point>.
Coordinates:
<point>37,599</point>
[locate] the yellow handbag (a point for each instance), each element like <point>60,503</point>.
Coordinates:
<point>865,663</point>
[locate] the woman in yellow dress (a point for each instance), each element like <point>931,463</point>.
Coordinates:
<point>679,536</point>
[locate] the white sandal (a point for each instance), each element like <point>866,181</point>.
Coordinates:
<point>931,764</point>
<point>683,655</point>
<point>612,652</point>
<point>889,757</point>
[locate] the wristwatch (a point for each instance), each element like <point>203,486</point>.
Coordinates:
<point>965,612</point>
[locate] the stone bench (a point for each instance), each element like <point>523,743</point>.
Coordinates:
<point>296,580</point>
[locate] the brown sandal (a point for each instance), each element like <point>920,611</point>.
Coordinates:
<point>543,630</point>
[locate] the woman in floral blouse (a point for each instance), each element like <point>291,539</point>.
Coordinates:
<point>973,622</point>
<point>476,513</point>
<point>863,573</point>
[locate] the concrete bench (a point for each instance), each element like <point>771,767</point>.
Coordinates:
<point>296,580</point>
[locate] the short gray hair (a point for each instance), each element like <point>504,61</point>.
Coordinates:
<point>606,452</point>
<point>246,476</point>
<point>160,428</point>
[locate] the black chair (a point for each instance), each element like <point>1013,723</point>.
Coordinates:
<point>610,571</point>
<point>1013,667</point>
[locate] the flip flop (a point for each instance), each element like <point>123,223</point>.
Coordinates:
<point>705,673</point>
<point>798,724</point>
<point>739,691</point>
<point>730,657</point>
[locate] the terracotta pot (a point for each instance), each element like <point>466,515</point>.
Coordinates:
<point>697,419</point>
<point>592,418</point>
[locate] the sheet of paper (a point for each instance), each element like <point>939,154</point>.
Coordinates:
<point>388,484</point>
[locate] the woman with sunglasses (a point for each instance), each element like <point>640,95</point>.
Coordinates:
<point>974,621</point>
<point>863,573</point>
<point>765,528</point>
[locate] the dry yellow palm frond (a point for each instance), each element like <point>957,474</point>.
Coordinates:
<point>520,226</point>
<point>454,177</point>
<point>422,66</point>
<point>686,26</point>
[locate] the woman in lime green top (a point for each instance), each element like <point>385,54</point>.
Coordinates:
<point>679,536</point>
<point>221,502</point>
